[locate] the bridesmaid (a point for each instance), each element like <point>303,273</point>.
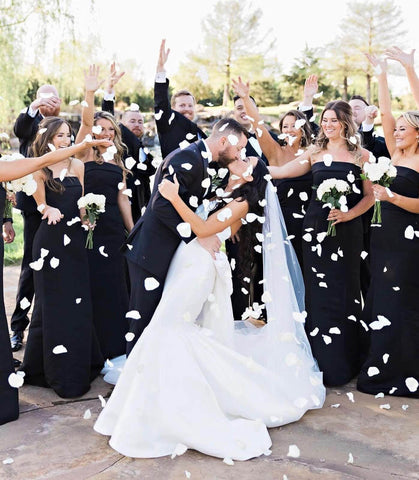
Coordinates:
<point>392,364</point>
<point>332,264</point>
<point>105,174</point>
<point>293,194</point>
<point>9,410</point>
<point>62,316</point>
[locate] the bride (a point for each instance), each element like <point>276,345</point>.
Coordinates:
<point>198,380</point>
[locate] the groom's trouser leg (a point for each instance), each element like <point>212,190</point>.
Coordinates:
<point>142,300</point>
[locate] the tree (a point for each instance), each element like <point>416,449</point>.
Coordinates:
<point>370,27</point>
<point>231,35</point>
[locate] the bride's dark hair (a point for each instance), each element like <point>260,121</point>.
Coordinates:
<point>253,192</point>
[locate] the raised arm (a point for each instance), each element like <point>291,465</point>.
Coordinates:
<point>407,60</point>
<point>271,149</point>
<point>384,101</point>
<point>226,217</point>
<point>297,167</point>
<point>108,102</point>
<point>91,84</point>
<point>23,166</point>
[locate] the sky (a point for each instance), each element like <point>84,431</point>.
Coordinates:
<point>133,29</point>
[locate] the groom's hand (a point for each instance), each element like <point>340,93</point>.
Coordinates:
<point>212,244</point>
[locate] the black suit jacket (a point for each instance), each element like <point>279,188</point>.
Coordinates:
<point>154,238</point>
<point>172,127</point>
<point>375,144</point>
<point>25,130</point>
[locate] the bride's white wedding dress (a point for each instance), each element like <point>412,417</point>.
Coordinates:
<point>195,381</point>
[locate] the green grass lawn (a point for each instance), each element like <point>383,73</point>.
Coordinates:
<point>13,252</point>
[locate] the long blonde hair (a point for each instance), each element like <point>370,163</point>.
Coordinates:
<point>121,148</point>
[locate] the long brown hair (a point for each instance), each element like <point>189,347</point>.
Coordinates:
<point>344,114</point>
<point>48,128</point>
<point>305,129</point>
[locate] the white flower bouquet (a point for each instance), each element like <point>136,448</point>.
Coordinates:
<point>332,192</point>
<point>94,205</point>
<point>381,172</point>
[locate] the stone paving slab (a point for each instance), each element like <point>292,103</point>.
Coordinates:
<point>53,440</point>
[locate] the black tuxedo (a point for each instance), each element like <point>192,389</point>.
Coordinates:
<point>139,180</point>
<point>373,143</point>
<point>25,129</point>
<point>172,127</point>
<point>154,239</point>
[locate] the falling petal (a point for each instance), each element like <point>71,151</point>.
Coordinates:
<point>102,251</point>
<point>96,129</point>
<point>184,229</point>
<point>327,340</point>
<point>385,406</point>
<point>233,139</point>
<point>334,330</point>
<point>87,414</point>
<point>54,262</point>
<point>412,384</point>
<point>350,458</point>
<point>134,314</point>
<point>129,163</point>
<point>24,303</point>
<point>373,371</point>
<point>172,116</point>
<point>78,300</point>
<point>84,103</point>
<point>15,380</point>
<point>350,396</point>
<point>314,332</point>
<point>180,449</point>
<point>380,323</point>
<point>150,283</point>
<point>129,337</point>
<point>409,233</point>
<point>228,461</point>
<point>8,461</point>
<point>327,159</point>
<point>158,115</point>
<point>67,240</point>
<point>293,451</point>
<point>59,349</point>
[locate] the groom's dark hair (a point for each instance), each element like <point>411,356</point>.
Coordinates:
<point>229,126</point>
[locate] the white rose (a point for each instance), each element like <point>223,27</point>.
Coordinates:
<point>342,186</point>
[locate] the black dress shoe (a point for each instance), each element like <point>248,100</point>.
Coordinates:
<point>16,341</point>
<point>16,363</point>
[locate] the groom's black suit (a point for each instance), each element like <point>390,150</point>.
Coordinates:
<point>154,239</point>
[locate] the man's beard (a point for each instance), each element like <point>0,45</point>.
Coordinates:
<point>224,160</point>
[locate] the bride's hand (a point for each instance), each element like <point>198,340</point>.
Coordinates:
<point>169,190</point>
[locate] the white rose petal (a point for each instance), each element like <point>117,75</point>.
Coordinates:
<point>350,395</point>
<point>380,323</point>
<point>24,303</point>
<point>373,371</point>
<point>37,264</point>
<point>184,144</point>
<point>385,406</point>
<point>228,461</point>
<point>334,330</point>
<point>78,300</point>
<point>129,337</point>
<point>186,166</point>
<point>54,262</point>
<point>102,251</point>
<point>129,163</point>
<point>233,139</point>
<point>409,233</point>
<point>172,117</point>
<point>59,349</point>
<point>134,314</point>
<point>15,380</point>
<point>66,240</point>
<point>87,414</point>
<point>327,159</point>
<point>8,461</point>
<point>206,183</point>
<point>327,340</point>
<point>84,104</point>
<point>350,458</point>
<point>314,332</point>
<point>158,115</point>
<point>293,451</point>
<point>386,356</point>
<point>150,283</point>
<point>184,229</point>
<point>412,384</point>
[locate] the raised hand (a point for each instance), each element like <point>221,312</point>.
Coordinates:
<point>311,86</point>
<point>379,64</point>
<point>240,88</point>
<point>91,79</point>
<point>406,59</point>
<point>49,101</point>
<point>89,142</point>
<point>163,56</point>
<point>113,78</point>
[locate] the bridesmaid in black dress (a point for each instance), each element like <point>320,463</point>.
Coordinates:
<point>106,175</point>
<point>8,395</point>
<point>392,365</point>
<point>332,264</point>
<point>9,410</point>
<point>62,351</point>
<point>293,194</point>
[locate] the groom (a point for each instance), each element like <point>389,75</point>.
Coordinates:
<point>155,237</point>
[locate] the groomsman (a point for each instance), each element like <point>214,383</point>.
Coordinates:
<point>132,131</point>
<point>46,104</point>
<point>155,237</point>
<point>174,120</point>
